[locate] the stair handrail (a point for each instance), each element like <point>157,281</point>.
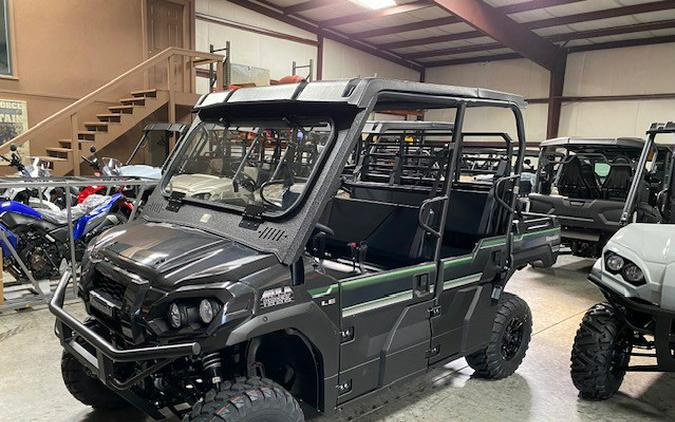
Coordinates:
<point>92,97</point>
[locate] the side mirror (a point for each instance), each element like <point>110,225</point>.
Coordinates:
<point>13,148</point>
<point>528,161</point>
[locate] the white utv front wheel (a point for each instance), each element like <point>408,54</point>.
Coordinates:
<point>600,354</point>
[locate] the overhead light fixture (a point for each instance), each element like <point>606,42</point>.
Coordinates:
<point>375,4</point>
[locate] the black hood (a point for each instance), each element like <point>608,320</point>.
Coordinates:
<point>168,255</point>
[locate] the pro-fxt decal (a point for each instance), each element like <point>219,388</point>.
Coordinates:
<point>276,297</point>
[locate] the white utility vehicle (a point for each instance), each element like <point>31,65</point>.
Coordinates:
<point>636,273</point>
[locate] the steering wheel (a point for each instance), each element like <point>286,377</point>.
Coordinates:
<point>321,228</point>
<point>660,201</point>
<point>262,195</point>
<point>246,181</point>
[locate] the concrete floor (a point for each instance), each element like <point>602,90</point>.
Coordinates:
<point>31,388</point>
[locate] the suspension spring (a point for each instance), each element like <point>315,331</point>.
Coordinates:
<point>212,364</point>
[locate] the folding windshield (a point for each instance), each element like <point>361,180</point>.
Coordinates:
<point>266,165</point>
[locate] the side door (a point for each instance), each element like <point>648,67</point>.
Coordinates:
<point>385,329</point>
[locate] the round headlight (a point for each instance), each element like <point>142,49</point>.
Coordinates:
<point>632,273</point>
<point>614,262</point>
<point>175,317</point>
<point>206,311</point>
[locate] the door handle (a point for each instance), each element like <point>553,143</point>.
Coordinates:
<point>422,284</point>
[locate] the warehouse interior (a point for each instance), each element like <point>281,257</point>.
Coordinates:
<point>337,210</point>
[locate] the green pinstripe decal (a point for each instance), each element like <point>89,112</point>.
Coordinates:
<point>457,282</point>
<point>352,284</point>
<point>359,282</point>
<point>377,303</point>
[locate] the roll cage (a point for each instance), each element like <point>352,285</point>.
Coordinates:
<point>348,103</point>
<point>664,198</point>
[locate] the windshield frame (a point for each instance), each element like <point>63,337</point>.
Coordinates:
<point>271,215</point>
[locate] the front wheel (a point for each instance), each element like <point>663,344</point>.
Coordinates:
<point>600,354</point>
<point>509,340</point>
<point>247,400</point>
<point>86,388</point>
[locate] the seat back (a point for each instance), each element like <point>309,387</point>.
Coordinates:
<point>618,180</point>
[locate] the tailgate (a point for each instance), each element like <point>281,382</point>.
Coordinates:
<point>537,238</point>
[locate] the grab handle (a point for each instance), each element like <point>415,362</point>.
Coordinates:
<point>420,216</point>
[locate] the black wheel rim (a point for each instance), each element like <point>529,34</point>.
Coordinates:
<point>513,338</point>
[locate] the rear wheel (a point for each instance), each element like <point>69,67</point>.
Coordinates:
<point>510,338</point>
<point>86,388</point>
<point>601,353</point>
<point>247,400</point>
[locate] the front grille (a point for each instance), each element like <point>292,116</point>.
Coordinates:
<point>113,289</point>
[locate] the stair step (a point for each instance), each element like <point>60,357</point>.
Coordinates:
<point>109,117</point>
<point>122,109</point>
<point>58,152</point>
<point>52,159</point>
<point>139,101</point>
<point>144,93</point>
<point>96,126</point>
<point>86,135</point>
<point>84,143</point>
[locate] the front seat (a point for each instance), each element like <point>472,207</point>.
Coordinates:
<point>570,182</point>
<point>618,180</point>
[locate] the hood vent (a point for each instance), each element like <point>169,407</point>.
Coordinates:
<point>270,233</point>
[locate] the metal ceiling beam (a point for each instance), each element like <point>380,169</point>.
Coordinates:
<point>543,23</point>
<point>478,59</point>
<point>504,30</point>
<point>312,27</point>
<point>615,30</point>
<point>576,49</point>
<point>623,43</point>
<point>309,5</point>
<point>449,20</point>
<point>601,32</point>
<point>379,13</point>
<point>636,9</point>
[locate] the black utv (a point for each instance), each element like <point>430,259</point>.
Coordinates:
<point>584,183</point>
<point>285,285</point>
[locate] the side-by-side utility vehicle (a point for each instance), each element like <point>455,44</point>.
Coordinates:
<point>295,287</point>
<point>584,183</point>
<point>636,273</point>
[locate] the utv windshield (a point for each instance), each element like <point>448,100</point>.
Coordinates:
<point>266,166</point>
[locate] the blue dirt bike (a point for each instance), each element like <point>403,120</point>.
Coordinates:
<point>40,236</point>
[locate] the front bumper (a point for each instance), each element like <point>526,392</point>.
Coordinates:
<point>664,324</point>
<point>100,356</point>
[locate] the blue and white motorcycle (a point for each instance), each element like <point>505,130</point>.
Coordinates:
<point>40,236</point>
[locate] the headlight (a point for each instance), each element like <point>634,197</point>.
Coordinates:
<point>206,311</point>
<point>175,316</point>
<point>614,262</point>
<point>632,274</point>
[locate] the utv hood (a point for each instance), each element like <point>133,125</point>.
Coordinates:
<point>169,255</point>
<point>651,242</point>
<point>193,184</point>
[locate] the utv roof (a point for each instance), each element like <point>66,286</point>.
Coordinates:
<point>382,126</point>
<point>590,141</point>
<point>358,92</point>
<point>662,128</point>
